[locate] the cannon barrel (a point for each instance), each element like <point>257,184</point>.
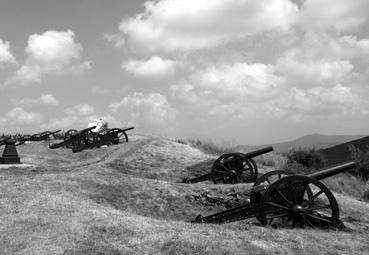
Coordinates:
<point>57,131</point>
<point>258,152</point>
<point>128,128</point>
<point>332,171</point>
<point>83,131</point>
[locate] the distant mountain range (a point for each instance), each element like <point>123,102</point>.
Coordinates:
<point>315,141</point>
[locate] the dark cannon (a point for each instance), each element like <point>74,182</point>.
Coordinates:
<point>87,139</point>
<point>43,136</point>
<point>72,139</point>
<point>292,200</point>
<point>233,168</point>
<point>112,136</point>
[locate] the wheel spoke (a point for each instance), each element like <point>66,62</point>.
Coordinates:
<point>318,217</point>
<point>292,193</point>
<point>319,208</point>
<point>315,196</point>
<point>284,197</point>
<point>301,197</point>
<point>279,205</point>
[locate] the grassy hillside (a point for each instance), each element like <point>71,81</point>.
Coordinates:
<point>340,153</point>
<point>126,199</point>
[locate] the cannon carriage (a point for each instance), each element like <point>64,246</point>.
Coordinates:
<point>233,168</point>
<point>87,139</point>
<point>290,200</point>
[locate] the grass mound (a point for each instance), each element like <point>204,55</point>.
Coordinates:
<point>126,200</point>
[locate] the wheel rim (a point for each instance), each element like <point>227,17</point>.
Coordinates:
<point>233,168</point>
<point>287,202</point>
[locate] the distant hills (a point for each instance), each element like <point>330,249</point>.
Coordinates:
<point>341,153</point>
<point>315,141</point>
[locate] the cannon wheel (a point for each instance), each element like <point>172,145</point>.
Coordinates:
<point>287,202</point>
<point>271,177</point>
<point>233,168</point>
<point>68,134</point>
<point>121,136</point>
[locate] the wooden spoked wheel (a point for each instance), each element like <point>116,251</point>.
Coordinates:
<point>68,135</point>
<point>287,202</point>
<point>233,168</point>
<point>118,135</point>
<point>270,177</point>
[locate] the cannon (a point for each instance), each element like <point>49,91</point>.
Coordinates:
<point>74,138</point>
<point>43,136</point>
<point>290,201</point>
<point>112,136</point>
<point>86,139</point>
<point>233,168</point>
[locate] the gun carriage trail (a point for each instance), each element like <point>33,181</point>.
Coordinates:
<point>129,198</point>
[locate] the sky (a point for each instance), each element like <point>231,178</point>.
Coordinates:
<point>230,71</point>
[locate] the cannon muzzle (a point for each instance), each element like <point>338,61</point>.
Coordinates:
<point>128,128</point>
<point>332,171</point>
<point>57,131</point>
<point>258,152</point>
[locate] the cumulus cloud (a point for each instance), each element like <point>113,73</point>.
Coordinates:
<point>308,71</point>
<point>53,52</point>
<point>5,55</point>
<point>19,116</point>
<point>150,112</point>
<point>45,99</point>
<point>170,25</point>
<point>340,15</point>
<point>153,67</point>
<point>80,110</point>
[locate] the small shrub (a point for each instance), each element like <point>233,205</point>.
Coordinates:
<point>361,159</point>
<point>209,147</point>
<point>310,159</point>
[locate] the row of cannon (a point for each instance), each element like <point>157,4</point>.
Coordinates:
<point>277,198</point>
<point>75,140</point>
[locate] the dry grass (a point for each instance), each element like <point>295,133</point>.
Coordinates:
<point>125,200</point>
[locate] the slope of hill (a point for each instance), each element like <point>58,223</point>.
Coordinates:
<point>340,153</point>
<point>314,141</point>
<point>126,199</point>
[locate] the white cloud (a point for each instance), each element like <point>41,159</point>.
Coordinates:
<point>5,55</point>
<point>153,67</point>
<point>170,25</point>
<point>80,110</point>
<point>53,52</point>
<point>340,15</point>
<point>46,99</point>
<point>150,112</point>
<point>309,71</point>
<point>18,116</point>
